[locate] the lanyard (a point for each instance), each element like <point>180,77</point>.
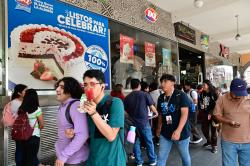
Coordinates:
<point>168,101</point>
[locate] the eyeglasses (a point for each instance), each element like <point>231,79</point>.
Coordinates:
<point>90,84</point>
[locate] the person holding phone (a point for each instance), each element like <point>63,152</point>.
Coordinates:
<point>233,111</point>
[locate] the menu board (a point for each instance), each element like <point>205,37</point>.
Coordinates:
<point>49,39</point>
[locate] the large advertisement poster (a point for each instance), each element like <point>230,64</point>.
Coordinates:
<point>126,49</point>
<point>48,39</point>
<point>167,59</point>
<point>149,54</point>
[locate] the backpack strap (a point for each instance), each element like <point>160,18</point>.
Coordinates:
<point>191,94</point>
<point>67,112</point>
<point>106,106</point>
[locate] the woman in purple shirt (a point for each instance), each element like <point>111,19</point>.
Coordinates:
<point>71,151</point>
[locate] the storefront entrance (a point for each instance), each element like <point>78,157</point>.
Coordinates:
<point>192,66</point>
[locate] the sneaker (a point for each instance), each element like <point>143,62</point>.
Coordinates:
<point>131,156</point>
<point>139,164</point>
<point>206,145</point>
<point>214,149</point>
<point>153,164</point>
<point>196,141</point>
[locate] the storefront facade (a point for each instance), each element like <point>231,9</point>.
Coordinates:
<point>134,45</point>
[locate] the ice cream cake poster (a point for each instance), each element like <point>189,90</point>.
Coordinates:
<point>49,39</point>
<point>126,49</point>
<point>149,54</point>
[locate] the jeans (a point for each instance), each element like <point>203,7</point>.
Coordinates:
<point>165,147</point>
<point>146,135</point>
<point>18,154</point>
<point>193,124</point>
<point>26,152</point>
<point>233,151</point>
<point>207,128</point>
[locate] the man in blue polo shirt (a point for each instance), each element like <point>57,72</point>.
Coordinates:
<point>173,108</point>
<point>136,104</point>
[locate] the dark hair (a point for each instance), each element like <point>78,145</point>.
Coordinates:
<point>93,73</point>
<point>71,86</point>
<point>18,89</point>
<point>144,85</point>
<point>134,83</point>
<point>167,77</point>
<point>211,88</point>
<point>153,86</point>
<point>187,83</point>
<point>178,86</point>
<point>199,87</point>
<point>118,88</point>
<point>30,101</point>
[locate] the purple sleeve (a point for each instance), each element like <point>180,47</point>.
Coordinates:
<point>80,130</point>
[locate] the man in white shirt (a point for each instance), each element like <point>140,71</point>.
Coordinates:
<point>155,93</point>
<point>193,96</point>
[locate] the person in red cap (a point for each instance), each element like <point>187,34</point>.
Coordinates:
<point>233,111</point>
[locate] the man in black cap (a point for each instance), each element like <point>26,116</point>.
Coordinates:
<point>233,111</point>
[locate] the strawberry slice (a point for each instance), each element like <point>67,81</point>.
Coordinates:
<point>47,76</point>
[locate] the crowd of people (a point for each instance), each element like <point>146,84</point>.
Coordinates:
<point>163,115</point>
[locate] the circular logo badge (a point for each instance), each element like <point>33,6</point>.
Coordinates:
<point>96,58</point>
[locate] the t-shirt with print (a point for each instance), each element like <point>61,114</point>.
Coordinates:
<point>207,102</point>
<point>177,101</point>
<point>32,119</point>
<point>103,152</point>
<point>136,104</point>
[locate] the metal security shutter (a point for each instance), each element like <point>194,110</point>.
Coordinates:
<point>47,142</point>
<point>48,135</point>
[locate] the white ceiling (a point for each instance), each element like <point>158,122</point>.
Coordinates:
<point>216,18</point>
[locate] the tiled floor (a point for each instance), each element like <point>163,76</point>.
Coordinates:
<point>200,156</point>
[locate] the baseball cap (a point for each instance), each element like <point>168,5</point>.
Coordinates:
<point>238,87</point>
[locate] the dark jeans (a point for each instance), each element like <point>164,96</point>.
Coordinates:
<point>26,152</point>
<point>193,124</point>
<point>18,154</point>
<point>207,128</point>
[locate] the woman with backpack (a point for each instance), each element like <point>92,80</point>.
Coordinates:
<point>30,147</point>
<point>10,114</point>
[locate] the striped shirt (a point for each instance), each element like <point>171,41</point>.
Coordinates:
<point>32,119</point>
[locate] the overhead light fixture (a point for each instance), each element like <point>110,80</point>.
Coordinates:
<point>237,37</point>
<point>198,3</point>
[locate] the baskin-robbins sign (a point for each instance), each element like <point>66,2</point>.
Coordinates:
<point>49,39</point>
<point>151,15</point>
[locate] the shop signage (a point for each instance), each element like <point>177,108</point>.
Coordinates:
<point>184,32</point>
<point>224,51</point>
<point>52,40</point>
<point>151,15</point>
<point>126,49</point>
<point>204,41</point>
<point>149,54</point>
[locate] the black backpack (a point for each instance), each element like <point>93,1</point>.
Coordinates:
<point>67,112</point>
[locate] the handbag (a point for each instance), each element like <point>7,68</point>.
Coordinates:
<point>21,129</point>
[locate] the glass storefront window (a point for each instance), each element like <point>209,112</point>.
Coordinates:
<point>137,54</point>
